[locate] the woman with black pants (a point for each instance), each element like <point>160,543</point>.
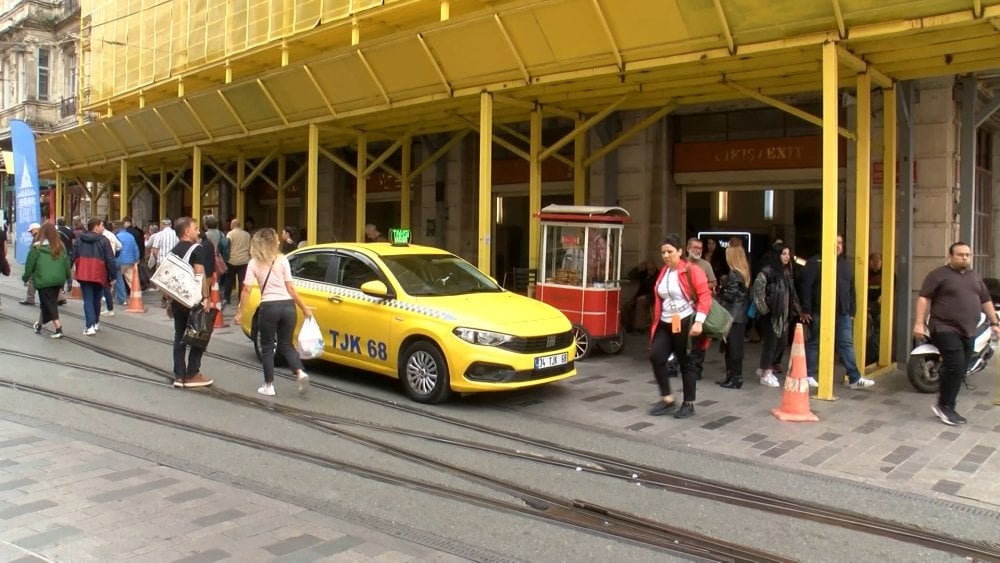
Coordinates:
<point>733,296</point>
<point>774,296</point>
<point>276,319</point>
<point>678,312</point>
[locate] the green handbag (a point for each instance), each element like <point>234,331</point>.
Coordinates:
<point>719,321</point>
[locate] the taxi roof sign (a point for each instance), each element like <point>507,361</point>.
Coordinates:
<point>399,237</point>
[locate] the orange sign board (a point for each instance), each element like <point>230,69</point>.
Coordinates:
<point>752,154</point>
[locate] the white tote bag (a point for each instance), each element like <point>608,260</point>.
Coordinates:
<point>310,342</point>
<point>175,277</point>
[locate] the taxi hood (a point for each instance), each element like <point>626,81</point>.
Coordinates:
<point>505,312</point>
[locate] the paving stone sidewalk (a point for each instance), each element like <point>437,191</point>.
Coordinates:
<point>63,499</point>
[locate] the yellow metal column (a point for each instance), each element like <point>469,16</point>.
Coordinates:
<point>162,193</point>
<point>862,215</point>
<point>888,226</point>
<point>60,194</point>
<point>361,194</point>
<point>534,193</point>
<point>312,185</point>
<point>404,191</point>
<point>282,162</point>
<point>196,185</point>
<point>485,180</point>
<point>579,170</point>
<point>828,238</point>
<point>123,195</point>
<point>241,194</point>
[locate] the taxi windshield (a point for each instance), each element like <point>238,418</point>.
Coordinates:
<point>438,275</point>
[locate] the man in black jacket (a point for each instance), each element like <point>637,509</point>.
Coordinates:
<point>844,312</point>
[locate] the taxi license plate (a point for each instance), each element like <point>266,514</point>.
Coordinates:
<point>543,362</point>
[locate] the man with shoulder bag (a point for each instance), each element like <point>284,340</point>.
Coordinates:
<point>188,374</point>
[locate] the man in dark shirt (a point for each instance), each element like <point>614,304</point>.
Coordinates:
<point>956,295</point>
<point>189,375</point>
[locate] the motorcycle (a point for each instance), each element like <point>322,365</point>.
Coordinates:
<point>923,368</point>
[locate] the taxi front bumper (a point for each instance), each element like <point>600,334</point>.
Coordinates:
<point>492,368</point>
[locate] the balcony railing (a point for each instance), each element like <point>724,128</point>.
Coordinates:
<point>67,108</point>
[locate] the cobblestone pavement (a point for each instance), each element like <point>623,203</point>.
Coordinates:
<point>885,435</point>
<point>66,499</point>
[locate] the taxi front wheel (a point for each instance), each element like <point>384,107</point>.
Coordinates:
<point>424,373</point>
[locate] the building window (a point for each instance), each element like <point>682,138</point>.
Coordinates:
<point>43,75</point>
<point>69,89</point>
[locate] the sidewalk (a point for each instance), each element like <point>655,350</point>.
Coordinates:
<point>67,499</point>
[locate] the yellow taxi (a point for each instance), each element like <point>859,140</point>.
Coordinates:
<point>426,317</point>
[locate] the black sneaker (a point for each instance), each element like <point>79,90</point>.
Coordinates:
<point>947,415</point>
<point>661,408</point>
<point>38,327</point>
<point>686,410</point>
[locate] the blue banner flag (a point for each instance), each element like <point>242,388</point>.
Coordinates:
<point>27,209</point>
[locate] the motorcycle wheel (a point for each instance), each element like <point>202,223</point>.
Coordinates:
<point>923,373</point>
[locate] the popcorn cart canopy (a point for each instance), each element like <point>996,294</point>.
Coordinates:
<point>584,213</point>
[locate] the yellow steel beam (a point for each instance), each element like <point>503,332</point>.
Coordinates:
<point>167,126</point>
<point>97,147</point>
<point>196,173</point>
<point>371,72</point>
<point>148,181</point>
<point>73,144</point>
<point>579,170</point>
<point>837,14</point>
<point>59,153</point>
<point>296,176</point>
<point>977,8</point>
<point>443,150</point>
<point>241,192</point>
<point>138,133</point>
<point>513,49</point>
<point>388,169</point>
<point>257,170</point>
<point>860,65</point>
<point>556,110</point>
<point>862,214</point>
<point>272,101</point>
<point>198,120</point>
<point>220,170</point>
<point>339,162</point>
<point>405,179</point>
<point>445,10</point>
<point>312,186</point>
<point>361,198</point>
<point>615,52</point>
<point>280,203</point>
<point>387,153</point>
<point>497,139</point>
<point>436,65</point>
<point>638,127</point>
<point>721,13</point>
<point>178,177</point>
<point>123,197</point>
<point>583,127</point>
<point>232,111</point>
<point>485,195</point>
<point>888,225</point>
<point>118,141</point>
<point>828,271</point>
<point>534,192</point>
<point>527,139</point>
<point>60,193</point>
<point>788,108</point>
<point>319,90</point>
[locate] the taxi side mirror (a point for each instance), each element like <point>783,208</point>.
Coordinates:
<point>375,288</point>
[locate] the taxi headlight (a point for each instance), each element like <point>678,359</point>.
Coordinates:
<point>483,337</point>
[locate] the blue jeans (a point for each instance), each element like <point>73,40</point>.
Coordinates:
<point>91,302</point>
<point>843,341</point>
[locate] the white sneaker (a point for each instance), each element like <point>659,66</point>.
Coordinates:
<point>266,389</point>
<point>812,382</point>
<point>97,327</point>
<point>769,380</point>
<point>303,380</point>
<point>91,331</point>
<point>108,313</point>
<point>862,383</point>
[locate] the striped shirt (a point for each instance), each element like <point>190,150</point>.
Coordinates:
<point>163,241</point>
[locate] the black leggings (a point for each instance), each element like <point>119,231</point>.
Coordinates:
<point>48,299</point>
<point>734,350</point>
<point>956,355</point>
<point>666,342</point>
<point>276,322</point>
<point>771,342</point>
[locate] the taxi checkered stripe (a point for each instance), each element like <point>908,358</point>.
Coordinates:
<point>356,294</point>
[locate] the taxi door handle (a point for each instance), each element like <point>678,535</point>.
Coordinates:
<point>334,299</point>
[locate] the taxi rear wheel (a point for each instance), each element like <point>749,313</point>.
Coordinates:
<point>584,342</point>
<point>424,373</point>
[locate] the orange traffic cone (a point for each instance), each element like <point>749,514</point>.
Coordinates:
<point>217,303</point>
<point>76,292</point>
<point>795,399</point>
<point>135,304</point>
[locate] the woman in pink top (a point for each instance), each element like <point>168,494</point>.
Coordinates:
<point>269,270</point>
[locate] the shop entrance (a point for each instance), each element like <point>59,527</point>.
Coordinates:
<point>510,260</point>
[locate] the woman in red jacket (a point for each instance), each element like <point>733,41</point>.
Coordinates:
<point>678,311</point>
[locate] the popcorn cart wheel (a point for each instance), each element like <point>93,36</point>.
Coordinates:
<point>579,272</point>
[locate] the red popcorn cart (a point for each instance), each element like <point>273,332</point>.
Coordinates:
<point>580,272</point>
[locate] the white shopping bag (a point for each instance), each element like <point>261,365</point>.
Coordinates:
<point>310,342</point>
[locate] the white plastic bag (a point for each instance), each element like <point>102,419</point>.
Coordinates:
<point>310,342</point>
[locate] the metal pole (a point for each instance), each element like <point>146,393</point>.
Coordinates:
<point>361,198</point>
<point>828,275</point>
<point>579,171</point>
<point>196,173</point>
<point>534,193</point>
<point>485,180</point>
<point>404,193</point>
<point>241,194</point>
<point>903,317</point>
<point>889,222</point>
<point>862,214</point>
<point>312,184</point>
<point>123,195</point>
<point>282,172</point>
<point>967,180</point>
